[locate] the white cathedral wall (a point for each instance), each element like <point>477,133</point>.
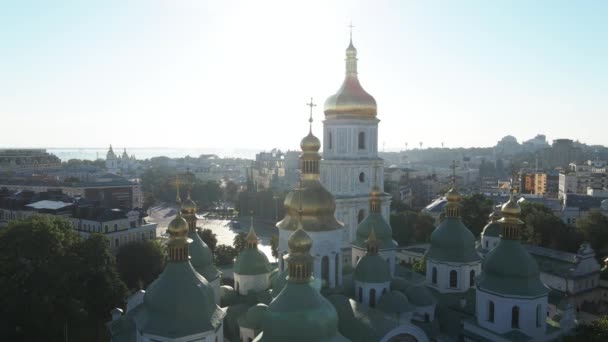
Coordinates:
<point>463,271</point>
<point>245,283</point>
<point>364,296</point>
<point>531,322</point>
<point>324,244</point>
<point>489,242</point>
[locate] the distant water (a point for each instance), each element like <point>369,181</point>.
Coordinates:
<point>146,153</point>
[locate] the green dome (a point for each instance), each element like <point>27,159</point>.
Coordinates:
<point>395,303</point>
<point>279,282</point>
<point>382,229</point>
<point>253,318</point>
<point>300,314</point>
<point>201,257</point>
<point>251,261</point>
<point>372,269</point>
<point>452,241</point>
<point>510,270</point>
<point>419,295</point>
<point>492,229</point>
<point>179,303</point>
<point>399,284</point>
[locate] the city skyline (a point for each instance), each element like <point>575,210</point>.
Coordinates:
<point>462,74</point>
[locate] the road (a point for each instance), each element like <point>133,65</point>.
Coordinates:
<point>163,214</point>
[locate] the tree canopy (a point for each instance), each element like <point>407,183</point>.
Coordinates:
<point>475,211</point>
<point>53,283</point>
<point>411,226</point>
<point>139,263</point>
<point>208,237</point>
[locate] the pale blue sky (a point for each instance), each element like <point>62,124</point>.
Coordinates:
<point>194,73</point>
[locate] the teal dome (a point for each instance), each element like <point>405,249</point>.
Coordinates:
<point>179,303</point>
<point>251,261</point>
<point>492,229</point>
<point>278,282</point>
<point>452,241</point>
<point>419,295</point>
<point>253,318</point>
<point>300,314</point>
<point>201,257</point>
<point>510,270</point>
<point>395,303</point>
<point>382,229</point>
<point>399,284</point>
<point>372,269</point>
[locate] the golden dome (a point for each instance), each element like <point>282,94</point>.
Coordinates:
<point>310,143</point>
<point>351,100</point>
<point>317,207</point>
<point>299,242</point>
<point>178,227</point>
<point>511,208</point>
<point>453,195</point>
<point>188,207</point>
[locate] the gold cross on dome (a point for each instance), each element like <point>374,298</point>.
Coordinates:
<point>350,27</point>
<point>453,167</point>
<point>310,104</point>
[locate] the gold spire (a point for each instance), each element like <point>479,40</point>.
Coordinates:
<point>178,238</point>
<point>375,201</point>
<point>299,259</point>
<point>510,221</point>
<point>178,199</point>
<point>372,242</point>
<point>494,216</point>
<point>252,238</point>
<point>453,197</point>
<point>310,157</point>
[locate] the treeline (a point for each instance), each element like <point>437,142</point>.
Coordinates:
<point>158,185</point>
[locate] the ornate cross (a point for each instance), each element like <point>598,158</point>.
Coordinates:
<point>350,26</point>
<point>311,104</point>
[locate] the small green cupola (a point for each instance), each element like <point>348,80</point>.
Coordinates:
<point>383,230</point>
<point>300,313</point>
<point>452,241</point>
<point>509,269</point>
<point>252,261</point>
<point>372,268</point>
<point>493,228</point>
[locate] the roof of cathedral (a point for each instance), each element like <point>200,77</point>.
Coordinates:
<point>372,269</point>
<point>201,257</point>
<point>351,101</point>
<point>395,303</point>
<point>251,261</point>
<point>253,318</point>
<point>509,269</point>
<point>382,228</point>
<point>493,228</point>
<point>452,241</point>
<point>358,322</point>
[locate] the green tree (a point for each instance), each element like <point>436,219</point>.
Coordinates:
<point>54,285</point>
<point>419,266</point>
<point>596,331</point>
<point>403,226</point>
<point>274,246</point>
<point>594,227</point>
<point>209,238</point>
<point>240,241</point>
<point>224,255</point>
<point>424,226</point>
<point>139,263</point>
<point>475,211</point>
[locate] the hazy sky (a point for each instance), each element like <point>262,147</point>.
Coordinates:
<point>197,73</point>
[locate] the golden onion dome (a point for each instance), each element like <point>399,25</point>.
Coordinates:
<point>299,242</point>
<point>188,206</point>
<point>511,208</point>
<point>315,204</point>
<point>310,143</point>
<point>453,195</point>
<point>178,227</point>
<point>351,101</point>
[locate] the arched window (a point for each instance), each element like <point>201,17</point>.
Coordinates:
<point>360,216</point>
<point>325,270</point>
<point>360,294</point>
<point>453,278</point>
<point>106,228</point>
<point>472,278</point>
<point>237,286</point>
<point>115,227</point>
<point>491,311</point>
<point>361,140</point>
<point>372,298</point>
<point>486,243</point>
<point>330,143</point>
<point>362,177</point>
<point>515,317</point>
<point>539,315</point>
<point>434,275</point>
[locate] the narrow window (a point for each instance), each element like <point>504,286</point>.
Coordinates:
<point>372,298</point>
<point>434,277</point>
<point>472,278</point>
<point>360,294</point>
<point>491,311</point>
<point>362,140</point>
<point>539,316</point>
<point>453,279</point>
<point>330,144</point>
<point>361,177</point>
<point>515,317</point>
